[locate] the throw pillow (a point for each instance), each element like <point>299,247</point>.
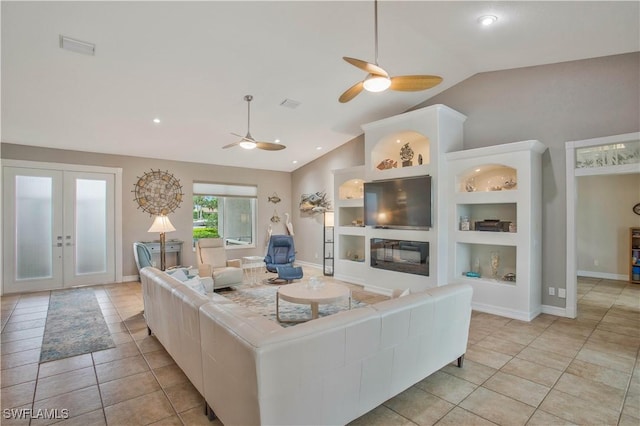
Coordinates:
<point>196,284</point>
<point>178,274</point>
<point>400,293</point>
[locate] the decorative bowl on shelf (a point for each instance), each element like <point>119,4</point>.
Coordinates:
<point>509,277</point>
<point>510,184</point>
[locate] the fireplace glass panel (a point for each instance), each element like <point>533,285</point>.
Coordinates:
<point>411,257</point>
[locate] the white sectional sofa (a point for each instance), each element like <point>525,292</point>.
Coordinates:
<point>328,371</point>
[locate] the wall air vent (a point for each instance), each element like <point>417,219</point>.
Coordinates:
<point>290,103</point>
<point>77,46</point>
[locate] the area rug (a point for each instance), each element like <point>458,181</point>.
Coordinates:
<point>74,326</point>
<point>261,299</point>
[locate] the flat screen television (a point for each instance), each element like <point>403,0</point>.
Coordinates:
<point>398,203</point>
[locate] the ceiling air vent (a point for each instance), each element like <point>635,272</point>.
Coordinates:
<point>290,103</point>
<point>77,46</point>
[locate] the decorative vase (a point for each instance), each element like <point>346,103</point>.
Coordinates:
<point>495,264</point>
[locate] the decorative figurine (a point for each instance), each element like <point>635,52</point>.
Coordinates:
<point>406,155</point>
<point>387,164</point>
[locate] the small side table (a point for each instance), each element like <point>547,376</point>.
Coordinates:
<point>251,266</point>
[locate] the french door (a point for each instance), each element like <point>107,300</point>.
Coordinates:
<point>59,228</point>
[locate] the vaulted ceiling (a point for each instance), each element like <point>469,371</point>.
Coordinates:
<point>191,63</point>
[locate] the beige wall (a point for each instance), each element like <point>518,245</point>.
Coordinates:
<point>604,216</point>
<point>313,177</point>
<point>136,222</point>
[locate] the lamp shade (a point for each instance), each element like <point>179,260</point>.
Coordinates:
<point>328,218</point>
<point>161,224</point>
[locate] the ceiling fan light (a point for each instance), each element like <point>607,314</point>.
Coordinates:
<point>248,144</point>
<point>376,83</point>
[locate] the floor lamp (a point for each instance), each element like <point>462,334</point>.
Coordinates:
<point>162,225</point>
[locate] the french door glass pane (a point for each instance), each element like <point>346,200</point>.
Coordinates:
<point>34,227</point>
<point>91,226</point>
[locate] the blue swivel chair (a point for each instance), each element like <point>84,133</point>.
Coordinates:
<point>281,253</point>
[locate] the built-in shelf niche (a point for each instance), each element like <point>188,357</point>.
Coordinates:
<point>352,248</point>
<point>489,177</point>
<point>352,189</point>
<point>388,148</point>
<point>504,212</point>
<point>351,216</point>
<point>477,258</point>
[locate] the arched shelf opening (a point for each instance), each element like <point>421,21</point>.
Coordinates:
<point>388,152</point>
<point>353,189</point>
<point>487,177</point>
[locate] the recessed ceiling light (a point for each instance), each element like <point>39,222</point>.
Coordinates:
<point>397,140</point>
<point>318,148</point>
<point>487,20</point>
<point>477,170</point>
<point>277,141</point>
<point>156,120</point>
<point>295,161</point>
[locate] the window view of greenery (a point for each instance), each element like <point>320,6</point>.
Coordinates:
<point>231,218</point>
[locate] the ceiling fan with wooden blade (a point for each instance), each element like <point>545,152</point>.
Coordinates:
<point>378,80</point>
<point>248,142</point>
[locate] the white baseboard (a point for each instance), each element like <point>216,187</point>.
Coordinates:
<point>504,312</point>
<point>308,264</point>
<point>349,279</point>
<point>379,290</point>
<point>554,310</point>
<point>603,275</point>
<point>129,278</point>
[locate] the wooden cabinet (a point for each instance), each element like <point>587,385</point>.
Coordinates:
<point>170,247</point>
<point>634,254</point>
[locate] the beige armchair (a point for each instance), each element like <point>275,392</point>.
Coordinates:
<point>211,258</point>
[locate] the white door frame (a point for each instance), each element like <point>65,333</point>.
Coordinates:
<point>117,172</point>
<point>572,198</point>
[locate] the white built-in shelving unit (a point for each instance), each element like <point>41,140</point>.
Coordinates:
<point>430,132</point>
<point>349,256</point>
<point>501,182</point>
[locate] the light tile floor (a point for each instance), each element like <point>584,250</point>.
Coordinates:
<point>549,371</point>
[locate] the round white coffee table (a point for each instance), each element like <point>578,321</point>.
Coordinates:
<point>304,294</point>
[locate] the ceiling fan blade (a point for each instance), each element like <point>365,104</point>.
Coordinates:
<point>270,146</point>
<point>244,138</point>
<point>231,145</point>
<point>351,92</point>
<point>414,83</point>
<point>366,66</point>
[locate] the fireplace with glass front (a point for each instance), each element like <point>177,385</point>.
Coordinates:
<point>411,257</point>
